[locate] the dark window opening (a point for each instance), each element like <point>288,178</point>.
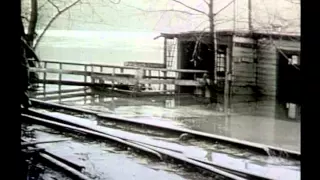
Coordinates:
<point>220,65</point>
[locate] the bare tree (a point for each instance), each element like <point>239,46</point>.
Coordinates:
<point>210,15</point>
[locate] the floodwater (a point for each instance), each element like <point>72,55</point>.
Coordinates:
<point>190,112</point>
<point>274,168</point>
<point>103,161</point>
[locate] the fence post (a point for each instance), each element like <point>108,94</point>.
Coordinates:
<point>100,80</point>
<point>85,70</point>
<point>164,77</point>
<point>149,74</point>
<point>44,79</point>
<point>60,79</point>
<point>113,74</point>
<point>159,77</point>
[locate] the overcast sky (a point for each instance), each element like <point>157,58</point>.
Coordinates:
<point>103,15</point>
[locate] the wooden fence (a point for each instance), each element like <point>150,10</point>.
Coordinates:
<point>112,75</point>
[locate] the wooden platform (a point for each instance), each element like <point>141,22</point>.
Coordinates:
<point>98,75</point>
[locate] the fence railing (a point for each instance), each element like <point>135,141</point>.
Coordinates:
<point>98,74</point>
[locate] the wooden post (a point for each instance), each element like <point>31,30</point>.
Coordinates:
<point>226,82</point>
<point>85,70</point>
<point>85,87</point>
<point>60,79</point>
<point>150,74</point>
<point>250,15</point>
<point>100,80</point>
<point>44,79</point>
<point>165,53</point>
<point>144,73</point>
<point>113,74</point>
<point>165,60</point>
<point>159,76</point>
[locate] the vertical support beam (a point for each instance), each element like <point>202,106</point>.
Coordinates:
<point>44,79</point>
<point>250,15</point>
<point>165,50</point>
<point>165,57</point>
<point>85,76</point>
<point>149,74</point>
<point>60,79</point>
<point>101,81</point>
<point>113,74</point>
<point>159,77</point>
<point>226,82</point>
<point>85,80</point>
<point>234,15</point>
<point>93,83</point>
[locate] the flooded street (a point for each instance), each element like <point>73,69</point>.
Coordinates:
<point>106,162</point>
<point>103,160</point>
<point>189,112</point>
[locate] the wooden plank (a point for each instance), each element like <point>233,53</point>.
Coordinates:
<point>267,60</point>
<point>288,44</point>
<point>242,90</point>
<point>266,66</point>
<point>243,74</point>
<point>243,67</point>
<point>123,80</point>
<point>266,72</point>
<point>235,98</point>
<point>59,71</point>
<point>266,77</point>
<point>66,63</point>
<point>237,83</point>
<point>65,96</point>
<point>144,64</point>
<point>266,103</point>
<point>240,51</point>
<point>133,81</point>
<point>243,79</point>
<point>72,83</point>
<point>239,39</point>
<point>56,92</point>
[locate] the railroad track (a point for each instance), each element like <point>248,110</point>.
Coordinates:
<point>159,152</point>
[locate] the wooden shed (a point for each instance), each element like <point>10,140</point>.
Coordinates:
<point>248,66</point>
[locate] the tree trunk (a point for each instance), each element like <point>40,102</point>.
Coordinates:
<point>33,23</point>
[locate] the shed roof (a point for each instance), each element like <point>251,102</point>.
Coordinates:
<point>255,34</point>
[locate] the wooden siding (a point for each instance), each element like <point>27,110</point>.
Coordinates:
<point>243,79</point>
<point>267,68</point>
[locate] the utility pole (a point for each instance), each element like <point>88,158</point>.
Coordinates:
<point>250,15</point>
<point>213,53</point>
<point>234,15</point>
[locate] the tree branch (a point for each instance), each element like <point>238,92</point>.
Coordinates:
<point>206,2</point>
<point>42,6</point>
<point>52,20</point>
<point>115,2</point>
<point>189,7</point>
<point>165,10</point>
<point>54,5</point>
<point>224,7</point>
